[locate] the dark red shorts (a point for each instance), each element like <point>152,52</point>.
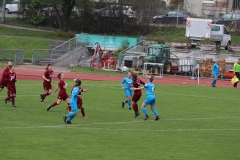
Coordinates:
<point>11,88</point>
<point>63,96</point>
<point>3,84</point>
<point>79,102</point>
<point>47,85</point>
<point>136,97</point>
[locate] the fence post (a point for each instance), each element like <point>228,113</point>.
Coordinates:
<point>32,55</point>
<point>15,59</point>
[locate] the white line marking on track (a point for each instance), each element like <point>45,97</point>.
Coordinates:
<point>129,122</point>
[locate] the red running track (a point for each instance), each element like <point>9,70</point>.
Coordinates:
<point>23,74</point>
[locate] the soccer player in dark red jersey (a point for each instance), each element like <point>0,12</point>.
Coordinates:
<point>47,86</point>
<point>79,101</point>
<point>3,82</point>
<point>137,93</point>
<point>11,79</point>
<point>62,94</point>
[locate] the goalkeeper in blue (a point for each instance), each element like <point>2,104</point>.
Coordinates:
<point>73,102</point>
<point>127,89</point>
<point>215,71</point>
<point>150,98</point>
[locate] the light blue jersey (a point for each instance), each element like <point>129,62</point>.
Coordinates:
<point>150,97</point>
<point>150,88</point>
<point>75,93</point>
<point>128,83</point>
<point>215,68</point>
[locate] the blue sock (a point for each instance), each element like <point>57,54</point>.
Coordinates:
<point>144,111</point>
<point>129,103</point>
<point>214,82</point>
<point>155,112</point>
<point>70,114</point>
<point>71,117</point>
<point>125,101</point>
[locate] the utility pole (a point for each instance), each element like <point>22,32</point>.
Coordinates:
<point>3,11</point>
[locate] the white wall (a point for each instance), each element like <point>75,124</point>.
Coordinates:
<point>196,7</point>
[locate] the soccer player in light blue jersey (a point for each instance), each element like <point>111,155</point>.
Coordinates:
<point>73,102</point>
<point>215,71</point>
<point>150,98</point>
<point>127,89</point>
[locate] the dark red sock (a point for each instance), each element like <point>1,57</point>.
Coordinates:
<point>8,93</point>
<point>13,101</point>
<point>43,96</point>
<point>83,113</point>
<point>135,108</point>
<point>54,104</point>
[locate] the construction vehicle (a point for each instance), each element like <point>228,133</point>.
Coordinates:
<point>158,53</point>
<point>102,59</point>
<point>155,53</point>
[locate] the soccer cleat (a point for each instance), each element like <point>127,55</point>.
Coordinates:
<point>5,101</point>
<point>157,118</point>
<point>146,118</point>
<point>65,119</point>
<point>48,108</point>
<point>130,108</point>
<point>69,122</point>
<point>123,104</point>
<point>14,106</point>
<point>85,116</point>
<point>136,115</point>
<point>213,86</point>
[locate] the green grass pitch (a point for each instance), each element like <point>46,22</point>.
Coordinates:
<point>197,122</point>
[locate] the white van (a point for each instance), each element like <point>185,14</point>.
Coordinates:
<point>12,7</point>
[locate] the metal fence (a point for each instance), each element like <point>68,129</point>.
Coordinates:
<point>135,50</point>
<point>40,56</point>
<point>15,55</point>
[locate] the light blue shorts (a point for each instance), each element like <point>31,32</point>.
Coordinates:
<point>74,107</point>
<point>150,100</point>
<point>128,92</point>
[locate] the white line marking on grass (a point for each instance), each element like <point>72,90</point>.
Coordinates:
<point>157,130</point>
<point>112,123</point>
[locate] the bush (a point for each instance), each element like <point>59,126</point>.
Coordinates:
<point>60,33</point>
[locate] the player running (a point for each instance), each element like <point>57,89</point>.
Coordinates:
<point>73,103</point>
<point>62,94</point>
<point>127,89</point>
<point>137,93</point>
<point>3,82</point>
<point>11,79</point>
<point>150,98</point>
<point>79,101</point>
<point>47,86</point>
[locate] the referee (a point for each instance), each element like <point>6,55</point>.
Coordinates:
<point>236,68</point>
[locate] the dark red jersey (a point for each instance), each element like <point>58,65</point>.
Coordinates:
<point>136,84</point>
<point>11,77</point>
<point>4,74</point>
<point>61,85</point>
<point>48,75</point>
